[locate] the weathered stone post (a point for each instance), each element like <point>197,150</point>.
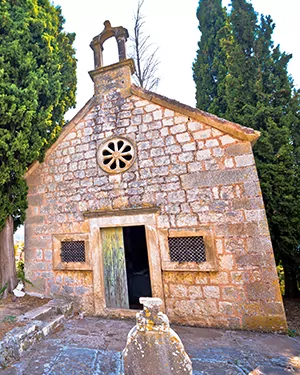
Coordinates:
<point>152,346</point>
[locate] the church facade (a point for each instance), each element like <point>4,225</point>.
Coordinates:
<point>144,196</point>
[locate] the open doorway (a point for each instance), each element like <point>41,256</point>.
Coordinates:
<point>137,265</point>
<point>125,266</point>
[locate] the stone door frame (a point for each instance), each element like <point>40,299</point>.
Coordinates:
<point>124,218</point>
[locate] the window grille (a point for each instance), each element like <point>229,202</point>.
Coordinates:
<point>72,251</point>
<point>187,249</point>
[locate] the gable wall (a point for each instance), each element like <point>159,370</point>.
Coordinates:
<point>197,175</point>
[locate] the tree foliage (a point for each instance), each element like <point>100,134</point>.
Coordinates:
<point>259,93</point>
<point>209,66</point>
<point>37,86</point>
<point>143,53</point>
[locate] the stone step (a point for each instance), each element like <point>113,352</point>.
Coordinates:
<point>40,322</point>
<point>53,324</point>
<point>61,306</point>
<point>39,313</point>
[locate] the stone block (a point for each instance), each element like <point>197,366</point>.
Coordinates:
<point>259,245</point>
<point>211,165</point>
<point>141,103</point>
<point>226,139</point>
<point>204,307</point>
<point>168,113</point>
<point>195,126</point>
<point>218,152</point>
<point>255,215</point>
<point>220,177</point>
<point>186,220</point>
<point>181,128</point>
<point>244,160</point>
<point>219,278</point>
<point>180,119</point>
<point>202,134</point>
<point>229,163</point>
<point>238,149</point>
<point>211,143</point>
<point>257,229</point>
<point>247,204</point>
<point>38,285</point>
<point>203,155</point>
<point>233,293</point>
<point>249,261</point>
<point>229,230</point>
<point>226,262</point>
<point>35,219</point>
<point>168,122</point>
<point>162,160</point>
<point>195,292</point>
<point>35,200</point>
<point>38,242</point>
<point>195,167</point>
<point>183,137</point>
<point>178,291</point>
<point>264,291</point>
<point>211,291</point>
<point>265,323</point>
<point>226,308</point>
<point>157,115</point>
<point>138,111</point>
<point>252,189</point>
<point>189,147</point>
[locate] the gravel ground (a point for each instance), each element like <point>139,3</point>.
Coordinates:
<point>12,307</point>
<point>292,310</point>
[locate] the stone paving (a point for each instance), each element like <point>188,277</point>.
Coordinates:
<point>92,346</point>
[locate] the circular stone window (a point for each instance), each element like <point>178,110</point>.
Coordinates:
<point>116,155</point>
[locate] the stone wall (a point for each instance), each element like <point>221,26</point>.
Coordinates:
<point>196,174</point>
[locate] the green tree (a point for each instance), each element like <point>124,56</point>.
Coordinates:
<point>209,68</point>
<point>260,94</point>
<point>37,86</point>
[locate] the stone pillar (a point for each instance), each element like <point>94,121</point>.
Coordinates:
<point>152,346</point>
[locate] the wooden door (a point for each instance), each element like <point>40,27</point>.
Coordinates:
<point>115,277</point>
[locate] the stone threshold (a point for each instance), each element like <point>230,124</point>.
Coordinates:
<point>41,321</point>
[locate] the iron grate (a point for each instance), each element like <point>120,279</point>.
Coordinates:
<point>187,249</point>
<point>72,251</point>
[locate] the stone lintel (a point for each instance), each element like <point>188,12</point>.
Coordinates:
<point>125,212</point>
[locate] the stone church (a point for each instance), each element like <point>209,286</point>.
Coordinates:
<point>144,196</point>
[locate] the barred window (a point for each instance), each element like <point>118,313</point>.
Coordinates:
<point>72,251</point>
<point>187,249</point>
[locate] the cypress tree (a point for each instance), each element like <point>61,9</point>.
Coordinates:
<point>260,94</point>
<point>209,66</point>
<point>241,69</point>
<point>37,86</point>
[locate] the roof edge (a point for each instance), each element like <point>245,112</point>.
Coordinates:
<point>236,130</point>
<point>65,131</point>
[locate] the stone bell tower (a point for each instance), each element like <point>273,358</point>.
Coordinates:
<point>114,77</point>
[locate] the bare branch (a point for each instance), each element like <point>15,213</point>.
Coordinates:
<point>144,54</point>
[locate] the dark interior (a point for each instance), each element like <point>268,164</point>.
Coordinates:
<point>137,265</point>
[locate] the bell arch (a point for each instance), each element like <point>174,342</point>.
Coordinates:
<point>121,35</point>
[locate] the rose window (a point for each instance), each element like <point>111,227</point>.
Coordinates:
<point>116,155</point>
